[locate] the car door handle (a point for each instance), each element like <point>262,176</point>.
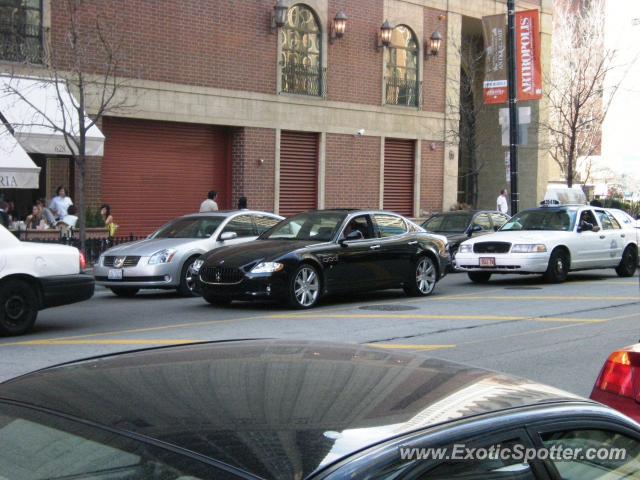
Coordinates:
<point>622,235</point>
<point>415,242</point>
<point>374,247</point>
<point>603,236</point>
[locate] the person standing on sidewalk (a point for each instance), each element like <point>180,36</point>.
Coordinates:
<point>501,202</point>
<point>209,205</point>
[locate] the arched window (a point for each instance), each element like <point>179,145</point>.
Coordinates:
<point>402,80</point>
<point>301,62</point>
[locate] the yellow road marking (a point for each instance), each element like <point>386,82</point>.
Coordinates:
<point>418,316</point>
<point>105,342</point>
<point>404,346</point>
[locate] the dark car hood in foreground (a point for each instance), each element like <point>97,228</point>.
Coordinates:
<point>453,238</point>
<point>277,409</point>
<point>239,255</point>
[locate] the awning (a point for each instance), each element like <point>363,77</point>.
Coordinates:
<point>17,170</point>
<point>39,112</point>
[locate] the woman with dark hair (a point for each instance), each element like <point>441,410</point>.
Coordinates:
<point>242,203</point>
<point>60,203</point>
<point>107,218</point>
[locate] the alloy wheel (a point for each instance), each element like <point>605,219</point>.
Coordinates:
<point>306,286</point>
<point>425,275</point>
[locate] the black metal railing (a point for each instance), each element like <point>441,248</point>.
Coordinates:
<point>21,42</point>
<point>405,93</point>
<point>303,80</point>
<point>94,247</point>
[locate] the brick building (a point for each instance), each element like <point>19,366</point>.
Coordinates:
<point>292,117</point>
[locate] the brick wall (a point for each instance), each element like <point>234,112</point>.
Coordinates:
<point>92,182</point>
<point>221,43</point>
<point>251,177</point>
<point>58,175</point>
<point>352,171</point>
<point>355,66</point>
<point>434,73</point>
<point>432,173</point>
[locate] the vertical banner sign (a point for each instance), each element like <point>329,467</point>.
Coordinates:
<point>528,71</point>
<point>494,87</point>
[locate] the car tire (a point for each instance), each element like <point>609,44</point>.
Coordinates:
<point>424,278</point>
<point>628,263</point>
<point>187,283</point>
<point>558,268</point>
<point>479,277</point>
<point>304,287</point>
<point>216,300</point>
<point>18,307</point>
<point>124,292</point>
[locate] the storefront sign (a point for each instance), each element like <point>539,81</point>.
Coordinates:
<point>8,181</point>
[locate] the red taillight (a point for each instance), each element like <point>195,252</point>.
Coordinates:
<point>621,374</point>
<point>83,262</point>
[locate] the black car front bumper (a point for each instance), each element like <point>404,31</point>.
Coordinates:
<point>66,289</point>
<point>272,286</point>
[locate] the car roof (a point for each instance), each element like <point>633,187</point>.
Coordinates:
<point>227,213</point>
<point>277,409</point>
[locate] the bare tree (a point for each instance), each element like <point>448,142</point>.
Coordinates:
<point>84,59</point>
<point>575,86</point>
<point>474,134</point>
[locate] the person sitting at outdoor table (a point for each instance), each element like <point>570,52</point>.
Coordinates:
<point>60,203</point>
<point>47,216</point>
<point>33,221</point>
<point>70,219</point>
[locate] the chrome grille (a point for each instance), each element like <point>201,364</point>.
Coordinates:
<point>221,275</point>
<point>129,261</point>
<point>491,247</point>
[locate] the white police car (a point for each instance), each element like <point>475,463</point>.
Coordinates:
<point>552,240</point>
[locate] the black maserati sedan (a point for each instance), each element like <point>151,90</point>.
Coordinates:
<point>460,225</point>
<point>293,410</point>
<point>321,252</point>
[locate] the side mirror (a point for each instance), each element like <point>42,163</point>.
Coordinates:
<point>474,229</point>
<point>353,235</point>
<point>496,228</point>
<point>228,236</point>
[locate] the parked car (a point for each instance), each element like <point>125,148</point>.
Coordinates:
<point>323,252</point>
<point>618,384</point>
<point>294,410</point>
<point>624,219</point>
<point>461,225</point>
<point>552,240</point>
<point>35,276</point>
<point>163,260</point>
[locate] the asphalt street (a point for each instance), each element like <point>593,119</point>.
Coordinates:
<point>555,334</point>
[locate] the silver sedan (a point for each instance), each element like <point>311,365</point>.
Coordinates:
<point>163,259</point>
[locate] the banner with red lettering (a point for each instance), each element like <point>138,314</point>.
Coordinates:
<point>495,88</point>
<point>528,71</point>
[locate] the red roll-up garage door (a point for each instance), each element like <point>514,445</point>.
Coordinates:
<point>155,171</point>
<point>398,175</point>
<point>298,172</point>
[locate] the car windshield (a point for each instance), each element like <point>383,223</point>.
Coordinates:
<point>316,226</point>
<point>559,220</point>
<point>189,227</point>
<point>456,223</point>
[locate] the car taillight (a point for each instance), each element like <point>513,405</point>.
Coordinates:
<point>83,262</point>
<point>621,374</point>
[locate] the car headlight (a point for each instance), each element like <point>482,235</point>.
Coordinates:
<point>267,267</point>
<point>465,248</point>
<point>529,248</point>
<point>163,256</point>
<point>197,265</point>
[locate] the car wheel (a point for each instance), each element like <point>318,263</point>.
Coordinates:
<point>424,280</point>
<point>558,268</point>
<point>304,287</point>
<point>628,263</point>
<point>18,307</point>
<point>187,279</point>
<point>125,292</point>
<point>479,277</point>
<point>216,301</point>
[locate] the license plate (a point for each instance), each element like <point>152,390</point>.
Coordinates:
<point>114,274</point>
<point>487,261</point>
